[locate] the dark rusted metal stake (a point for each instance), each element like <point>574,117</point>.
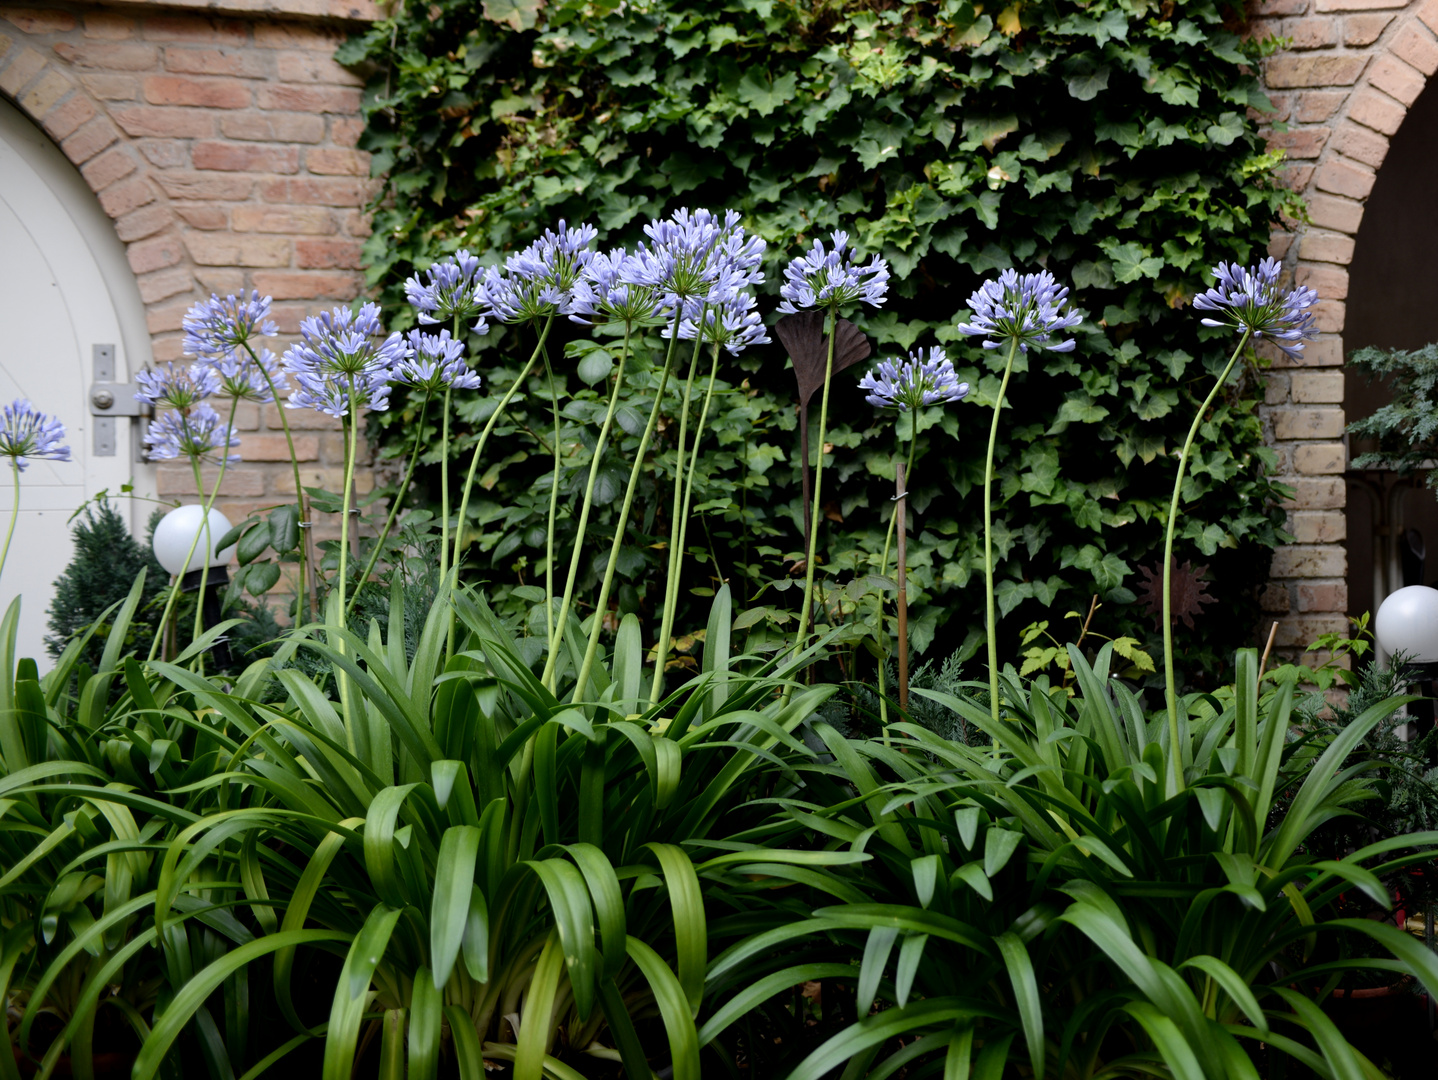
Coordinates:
<point>903,522</point>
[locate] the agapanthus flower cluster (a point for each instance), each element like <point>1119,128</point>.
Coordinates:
<point>448,290</point>
<point>178,386</point>
<point>435,363</point>
<point>198,434</point>
<point>828,278</point>
<point>1251,300</point>
<point>913,383</point>
<point>250,378</point>
<point>733,322</point>
<point>602,293</point>
<point>339,351</point>
<point>540,280</point>
<point>216,327</point>
<point>27,434</point>
<point>693,259</point>
<point>1026,310</point>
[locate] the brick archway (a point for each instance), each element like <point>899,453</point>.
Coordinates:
<point>1343,89</point>
<point>222,145</point>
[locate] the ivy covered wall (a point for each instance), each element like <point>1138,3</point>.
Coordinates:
<point>1110,142</point>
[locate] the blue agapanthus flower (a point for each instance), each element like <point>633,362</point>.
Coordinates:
<point>249,378</point>
<point>178,386</point>
<point>339,349</point>
<point>688,256</point>
<point>197,434</point>
<point>828,278</point>
<point>1028,310</point>
<point>730,318</point>
<point>448,290</point>
<point>539,281</point>
<point>435,363</point>
<point>913,383</point>
<point>601,293</point>
<point>1251,300</point>
<point>216,327</point>
<point>26,434</point>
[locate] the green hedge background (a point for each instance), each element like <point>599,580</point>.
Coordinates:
<point>1110,142</point>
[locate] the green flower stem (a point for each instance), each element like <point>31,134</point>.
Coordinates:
<point>553,513</point>
<point>884,566</point>
<point>1170,688</point>
<point>205,528</point>
<point>14,516</point>
<point>444,491</point>
<point>394,508</point>
<point>351,450</point>
<point>484,437</point>
<point>676,556</point>
<point>602,605</point>
<point>992,624</point>
<point>309,569</point>
<point>205,525</point>
<point>818,494</point>
<point>552,662</point>
<point>673,598</point>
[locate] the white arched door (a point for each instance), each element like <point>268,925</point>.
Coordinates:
<point>65,288</point>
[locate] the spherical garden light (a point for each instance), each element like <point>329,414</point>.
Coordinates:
<point>177,547</point>
<point>1407,623</point>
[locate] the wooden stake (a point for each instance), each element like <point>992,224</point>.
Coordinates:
<point>1272,633</point>
<point>903,524</point>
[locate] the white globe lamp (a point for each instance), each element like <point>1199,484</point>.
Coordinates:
<point>1407,623</point>
<point>176,532</point>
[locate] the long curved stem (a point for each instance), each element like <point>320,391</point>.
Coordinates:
<point>597,626</point>
<point>553,512</point>
<point>393,510</point>
<point>308,570</point>
<point>884,565</point>
<point>676,526</point>
<point>351,447</point>
<point>1170,689</point>
<point>552,663</point>
<point>14,516</point>
<point>205,525</point>
<point>991,611</point>
<point>818,494</point>
<point>484,438</point>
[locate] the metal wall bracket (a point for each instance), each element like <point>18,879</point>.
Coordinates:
<point>109,399</point>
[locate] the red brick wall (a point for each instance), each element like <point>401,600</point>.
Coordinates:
<point>1343,89</point>
<point>223,147</point>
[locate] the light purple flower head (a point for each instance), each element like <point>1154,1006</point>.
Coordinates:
<point>539,281</point>
<point>340,352</point>
<point>693,259</point>
<point>178,385</point>
<point>250,378</point>
<point>448,290</point>
<point>198,434</point>
<point>913,383</point>
<point>601,293</point>
<point>730,318</point>
<point>216,327</point>
<point>1027,310</point>
<point>434,364</point>
<point>26,433</point>
<point>829,279</point>
<point>1252,301</point>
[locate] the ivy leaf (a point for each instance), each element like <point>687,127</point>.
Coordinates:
<point>685,173</point>
<point>1093,275</point>
<point>516,14</point>
<point>763,94</point>
<point>887,328</point>
<point>1228,128</point>
<point>1087,78</point>
<point>1078,406</point>
<point>1132,261</point>
<point>1173,89</point>
<point>988,131</point>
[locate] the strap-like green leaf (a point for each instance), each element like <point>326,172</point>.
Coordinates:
<point>352,991</point>
<point>674,1009</point>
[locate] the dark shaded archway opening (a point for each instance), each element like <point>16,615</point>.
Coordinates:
<point>1393,304</point>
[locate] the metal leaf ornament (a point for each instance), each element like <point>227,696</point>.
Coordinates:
<point>803,338</point>
<point>1189,592</point>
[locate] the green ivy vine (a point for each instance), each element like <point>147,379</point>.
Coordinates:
<point>1112,142</point>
